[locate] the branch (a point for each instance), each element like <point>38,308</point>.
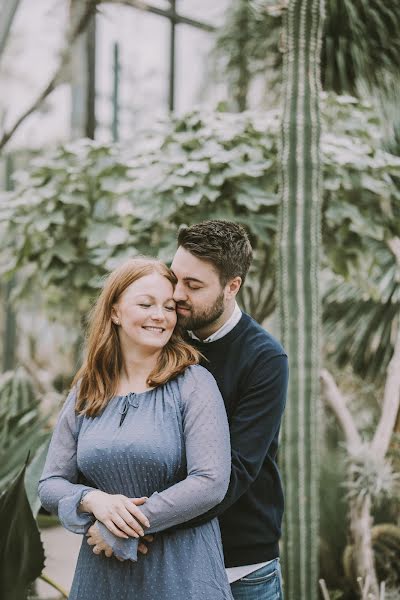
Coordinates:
<point>76,31</point>
<point>391,403</point>
<point>394,245</point>
<point>337,403</point>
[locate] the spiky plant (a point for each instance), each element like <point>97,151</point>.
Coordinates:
<point>22,430</point>
<point>298,275</point>
<point>360,47</point>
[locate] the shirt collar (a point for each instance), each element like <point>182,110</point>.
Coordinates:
<point>224,329</point>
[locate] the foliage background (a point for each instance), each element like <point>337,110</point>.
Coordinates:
<point>79,207</point>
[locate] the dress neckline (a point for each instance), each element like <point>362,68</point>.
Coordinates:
<point>136,393</point>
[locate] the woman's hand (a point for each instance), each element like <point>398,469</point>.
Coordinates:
<point>118,513</point>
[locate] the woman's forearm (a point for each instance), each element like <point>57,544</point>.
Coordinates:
<point>61,497</point>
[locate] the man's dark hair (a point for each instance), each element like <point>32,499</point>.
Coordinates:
<point>222,243</point>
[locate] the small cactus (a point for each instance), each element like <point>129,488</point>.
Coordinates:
<point>16,393</point>
<point>386,547</point>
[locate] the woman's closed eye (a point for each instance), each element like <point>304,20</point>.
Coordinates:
<point>169,307</point>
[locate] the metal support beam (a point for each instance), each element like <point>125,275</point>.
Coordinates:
<point>172,65</point>
<point>91,79</point>
<point>171,14</point>
<point>82,69</point>
<point>115,95</point>
<point>7,15</point>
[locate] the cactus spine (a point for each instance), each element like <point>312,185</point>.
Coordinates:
<point>298,272</point>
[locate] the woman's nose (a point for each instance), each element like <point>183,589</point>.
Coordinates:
<point>157,313</point>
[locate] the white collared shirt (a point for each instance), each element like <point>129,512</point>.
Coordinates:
<point>233,573</point>
<point>226,327</point>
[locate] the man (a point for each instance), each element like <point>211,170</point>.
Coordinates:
<point>251,370</point>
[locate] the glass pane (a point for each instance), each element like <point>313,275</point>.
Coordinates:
<point>209,11</point>
<point>194,70</point>
<point>30,58</point>
<point>144,68</point>
<point>164,4</point>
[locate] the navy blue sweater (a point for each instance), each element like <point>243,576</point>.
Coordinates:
<point>251,370</point>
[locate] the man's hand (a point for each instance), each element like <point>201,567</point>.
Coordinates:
<point>95,539</point>
<point>117,512</point>
<point>143,549</point>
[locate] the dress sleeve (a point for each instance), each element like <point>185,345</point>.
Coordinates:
<point>58,489</point>
<point>208,457</point>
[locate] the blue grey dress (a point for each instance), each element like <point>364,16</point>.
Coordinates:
<point>172,446</point>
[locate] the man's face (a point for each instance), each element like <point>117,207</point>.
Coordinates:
<point>199,295</point>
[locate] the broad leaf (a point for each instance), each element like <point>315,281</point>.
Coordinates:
<point>21,550</point>
<point>33,474</point>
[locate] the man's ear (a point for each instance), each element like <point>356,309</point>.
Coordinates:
<point>233,286</point>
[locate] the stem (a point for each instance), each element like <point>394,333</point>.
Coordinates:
<point>53,584</point>
<point>391,403</point>
<point>324,589</point>
<point>337,403</point>
<point>361,525</point>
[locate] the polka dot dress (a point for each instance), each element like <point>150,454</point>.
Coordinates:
<point>170,444</point>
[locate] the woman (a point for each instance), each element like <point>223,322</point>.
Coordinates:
<point>143,420</point>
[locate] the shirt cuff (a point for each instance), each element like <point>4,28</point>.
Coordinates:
<point>70,517</point>
<point>124,548</point>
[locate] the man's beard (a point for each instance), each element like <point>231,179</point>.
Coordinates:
<point>200,318</point>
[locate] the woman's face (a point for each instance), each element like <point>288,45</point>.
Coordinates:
<point>146,313</point>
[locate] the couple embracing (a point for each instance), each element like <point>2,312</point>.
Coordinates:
<point>164,453</point>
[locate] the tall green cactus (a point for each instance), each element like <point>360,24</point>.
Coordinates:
<point>298,273</point>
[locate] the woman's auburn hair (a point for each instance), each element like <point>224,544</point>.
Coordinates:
<point>97,379</point>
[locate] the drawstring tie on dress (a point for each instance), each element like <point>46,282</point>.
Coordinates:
<point>129,400</point>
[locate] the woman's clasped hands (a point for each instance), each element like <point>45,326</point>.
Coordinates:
<point>117,512</point>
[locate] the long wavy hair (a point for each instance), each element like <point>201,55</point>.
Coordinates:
<point>98,377</point>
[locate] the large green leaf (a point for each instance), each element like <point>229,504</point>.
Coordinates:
<point>361,312</point>
<point>33,474</point>
<point>22,427</point>
<point>21,549</point>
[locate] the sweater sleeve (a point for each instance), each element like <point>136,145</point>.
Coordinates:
<point>59,490</point>
<point>206,438</point>
<point>253,426</point>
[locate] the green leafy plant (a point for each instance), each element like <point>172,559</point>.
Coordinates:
<point>360,48</point>
<point>22,432</point>
<point>86,206</point>
<point>21,551</point>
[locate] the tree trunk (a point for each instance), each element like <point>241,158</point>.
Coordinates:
<point>361,526</point>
